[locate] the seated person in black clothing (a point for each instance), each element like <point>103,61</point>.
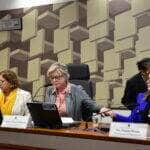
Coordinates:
<point>136,84</point>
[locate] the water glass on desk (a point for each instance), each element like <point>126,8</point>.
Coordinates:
<point>96,119</point>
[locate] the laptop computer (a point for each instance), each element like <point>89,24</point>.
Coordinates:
<point>46,115</point>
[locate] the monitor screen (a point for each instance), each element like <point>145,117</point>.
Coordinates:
<point>44,115</point>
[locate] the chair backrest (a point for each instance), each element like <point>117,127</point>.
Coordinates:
<point>80,75</point>
<point>79,71</point>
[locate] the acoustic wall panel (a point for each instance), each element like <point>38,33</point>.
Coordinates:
<point>37,43</point>
<point>93,66</point>
<point>144,54</point>
<point>4,59</point>
<point>34,69</point>
<point>71,17</point>
<point>40,95</point>
<point>89,26</point>
<point>109,63</point>
<point>4,36</point>
<point>117,96</point>
<point>29,25</point>
<point>139,6</point>
<point>97,11</point>
<point>143,42</point>
<point>88,51</point>
<point>48,20</point>
<point>61,39</point>
<point>65,56</point>
<point>102,91</point>
<point>99,31</point>
<point>124,44</point>
<point>130,68</point>
<point>125,25</point>
<point>112,75</point>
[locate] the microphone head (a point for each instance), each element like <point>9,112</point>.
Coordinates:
<point>48,84</point>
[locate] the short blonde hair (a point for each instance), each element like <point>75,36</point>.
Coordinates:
<point>60,69</point>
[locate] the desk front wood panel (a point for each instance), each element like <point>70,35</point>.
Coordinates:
<point>68,140</point>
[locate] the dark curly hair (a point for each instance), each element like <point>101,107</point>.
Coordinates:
<point>10,77</point>
<point>143,64</point>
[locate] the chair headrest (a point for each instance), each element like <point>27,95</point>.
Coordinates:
<point>78,71</point>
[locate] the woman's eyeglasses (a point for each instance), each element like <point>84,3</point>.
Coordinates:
<point>1,82</point>
<point>56,77</point>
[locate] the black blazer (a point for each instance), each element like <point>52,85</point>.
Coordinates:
<point>134,85</point>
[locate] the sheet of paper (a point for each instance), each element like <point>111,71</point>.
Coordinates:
<point>67,120</point>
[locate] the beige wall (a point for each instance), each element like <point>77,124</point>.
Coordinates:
<point>109,36</point>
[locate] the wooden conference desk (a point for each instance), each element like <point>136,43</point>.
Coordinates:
<point>65,139</point>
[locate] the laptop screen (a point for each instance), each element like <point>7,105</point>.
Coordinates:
<point>44,115</point>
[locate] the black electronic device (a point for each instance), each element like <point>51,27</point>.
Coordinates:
<point>44,115</point>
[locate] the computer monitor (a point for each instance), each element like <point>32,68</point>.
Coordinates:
<point>44,115</point>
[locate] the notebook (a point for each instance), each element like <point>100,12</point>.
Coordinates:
<point>46,115</point>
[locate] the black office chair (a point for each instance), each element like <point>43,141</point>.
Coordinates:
<point>80,75</point>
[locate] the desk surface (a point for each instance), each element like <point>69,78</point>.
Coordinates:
<point>76,132</point>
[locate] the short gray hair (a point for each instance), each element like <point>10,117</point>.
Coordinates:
<point>60,68</point>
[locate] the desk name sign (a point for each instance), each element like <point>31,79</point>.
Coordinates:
<point>129,130</point>
<point>16,121</point>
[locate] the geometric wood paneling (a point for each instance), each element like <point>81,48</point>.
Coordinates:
<point>88,51</point>
<point>79,32</point>
<point>61,39</point>
<point>37,43</point>
<point>99,31</point>
<point>139,6</point>
<point>71,17</point>
<point>29,25</point>
<point>93,66</point>
<point>125,44</point>
<point>97,11</point>
<point>4,59</point>
<point>65,56</point>
<point>4,36</point>
<point>143,42</point>
<point>109,63</point>
<point>112,75</point>
<point>118,93</point>
<point>130,68</point>
<point>48,20</point>
<point>34,69</point>
<point>102,91</point>
<point>140,55</point>
<point>125,25</point>
<point>19,54</point>
<point>105,44</point>
<point>41,93</point>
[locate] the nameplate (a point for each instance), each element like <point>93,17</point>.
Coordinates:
<point>129,130</point>
<point>16,121</point>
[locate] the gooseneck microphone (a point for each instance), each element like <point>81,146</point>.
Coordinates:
<point>45,85</point>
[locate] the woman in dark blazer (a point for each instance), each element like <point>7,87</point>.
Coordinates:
<point>136,84</point>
